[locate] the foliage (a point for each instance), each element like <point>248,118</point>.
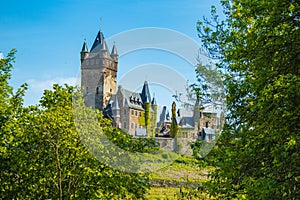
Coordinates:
<point>257,48</point>
<point>141,119</point>
<point>42,155</point>
<point>154,120</point>
<point>125,141</point>
<point>201,148</point>
<point>147,116</point>
<point>10,110</point>
<point>174,126</point>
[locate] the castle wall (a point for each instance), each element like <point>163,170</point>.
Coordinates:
<point>179,145</point>
<point>134,120</point>
<point>89,81</point>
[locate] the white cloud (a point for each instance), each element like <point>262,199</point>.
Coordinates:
<point>37,87</point>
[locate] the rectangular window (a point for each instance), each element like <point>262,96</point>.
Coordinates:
<point>132,112</point>
<point>132,125</point>
<point>124,124</point>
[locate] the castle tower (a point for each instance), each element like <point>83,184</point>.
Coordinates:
<point>116,112</point>
<point>84,52</point>
<point>98,72</point>
<point>154,115</point>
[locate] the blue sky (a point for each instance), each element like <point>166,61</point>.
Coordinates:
<point>48,36</point>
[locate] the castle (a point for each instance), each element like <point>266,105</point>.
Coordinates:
<point>131,111</point>
<point>135,112</point>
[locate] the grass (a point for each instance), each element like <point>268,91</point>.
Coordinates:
<point>179,180</point>
<point>162,193</point>
<point>175,194</point>
<point>182,170</point>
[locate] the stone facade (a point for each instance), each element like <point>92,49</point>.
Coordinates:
<point>135,109</point>
<point>132,111</point>
<point>191,122</point>
<point>98,72</point>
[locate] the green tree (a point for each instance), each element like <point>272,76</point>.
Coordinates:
<point>43,156</point>
<point>148,116</point>
<point>257,48</point>
<point>10,110</point>
<point>174,126</point>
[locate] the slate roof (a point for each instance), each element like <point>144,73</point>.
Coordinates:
<point>133,99</point>
<point>153,102</point>
<point>114,50</point>
<point>186,122</point>
<point>99,48</point>
<point>98,40</point>
<point>167,118</point>
<point>84,47</point>
<point>145,95</point>
<point>112,105</point>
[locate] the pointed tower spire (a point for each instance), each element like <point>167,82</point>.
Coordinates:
<point>167,116</point>
<point>104,52</point>
<point>84,52</point>
<point>114,50</point>
<point>153,102</point>
<point>116,107</point>
<point>84,47</point>
<point>104,46</point>
<point>114,53</point>
<point>146,93</point>
<point>98,40</point>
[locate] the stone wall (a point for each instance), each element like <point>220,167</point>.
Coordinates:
<point>179,145</point>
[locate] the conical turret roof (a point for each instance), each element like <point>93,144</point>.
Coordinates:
<point>98,40</point>
<point>84,47</point>
<point>114,50</point>
<point>146,98</point>
<point>104,46</point>
<point>153,102</point>
<point>115,105</point>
